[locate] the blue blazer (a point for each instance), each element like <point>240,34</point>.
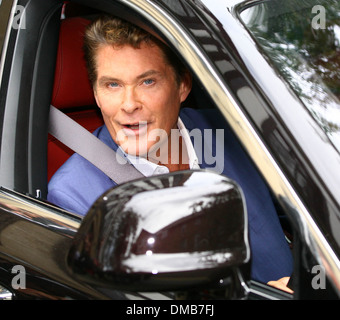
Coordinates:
<point>78,183</point>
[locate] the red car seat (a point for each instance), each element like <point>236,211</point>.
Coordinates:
<point>72,92</point>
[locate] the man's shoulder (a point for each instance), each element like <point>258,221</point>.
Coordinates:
<point>77,184</point>
<point>73,170</point>
<point>103,134</point>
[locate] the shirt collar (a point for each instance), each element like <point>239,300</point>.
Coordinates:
<point>148,168</point>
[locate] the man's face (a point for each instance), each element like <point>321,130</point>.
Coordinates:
<point>138,95</point>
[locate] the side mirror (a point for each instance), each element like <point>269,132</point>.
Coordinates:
<point>165,232</point>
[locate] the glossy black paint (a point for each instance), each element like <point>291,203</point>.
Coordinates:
<point>166,232</point>
<point>255,93</point>
<point>298,145</point>
<point>40,247</point>
<point>228,44</point>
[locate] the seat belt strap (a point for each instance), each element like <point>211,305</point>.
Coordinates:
<point>83,142</point>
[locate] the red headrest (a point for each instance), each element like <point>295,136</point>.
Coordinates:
<point>71,85</point>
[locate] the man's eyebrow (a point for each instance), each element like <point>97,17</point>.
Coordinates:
<point>106,79</point>
<point>148,74</point>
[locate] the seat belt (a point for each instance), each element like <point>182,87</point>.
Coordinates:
<point>83,142</point>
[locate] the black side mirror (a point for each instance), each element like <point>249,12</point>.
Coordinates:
<point>165,232</point>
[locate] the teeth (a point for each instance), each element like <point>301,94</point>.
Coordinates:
<point>136,126</point>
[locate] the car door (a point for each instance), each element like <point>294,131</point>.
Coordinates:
<point>305,159</point>
<point>34,235</point>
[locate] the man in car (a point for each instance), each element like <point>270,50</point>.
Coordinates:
<point>139,86</point>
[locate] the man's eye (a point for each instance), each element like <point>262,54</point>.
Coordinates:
<point>112,85</point>
<point>148,81</point>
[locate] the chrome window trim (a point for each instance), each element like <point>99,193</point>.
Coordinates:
<point>39,212</point>
<point>6,40</point>
<point>5,294</point>
<point>267,165</point>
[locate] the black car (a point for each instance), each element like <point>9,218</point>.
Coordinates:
<point>271,68</point>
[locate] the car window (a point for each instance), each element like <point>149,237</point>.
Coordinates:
<point>302,40</point>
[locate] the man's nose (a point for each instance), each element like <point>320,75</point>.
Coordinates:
<point>130,101</point>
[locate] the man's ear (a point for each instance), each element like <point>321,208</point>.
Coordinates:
<point>185,86</point>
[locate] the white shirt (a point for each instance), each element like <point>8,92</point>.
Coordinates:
<point>148,168</point>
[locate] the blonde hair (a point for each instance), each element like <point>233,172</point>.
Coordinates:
<point>116,32</point>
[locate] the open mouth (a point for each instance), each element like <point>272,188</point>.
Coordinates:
<point>139,127</point>
<point>134,126</point>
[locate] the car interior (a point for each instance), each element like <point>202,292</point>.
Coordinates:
<point>72,92</point>
<point>60,79</point>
